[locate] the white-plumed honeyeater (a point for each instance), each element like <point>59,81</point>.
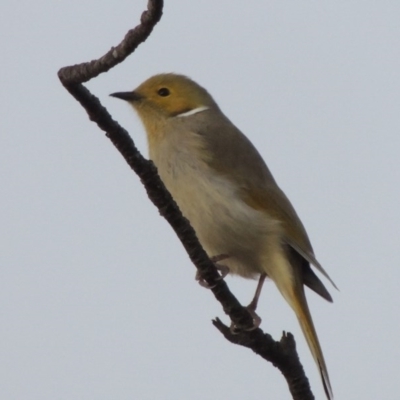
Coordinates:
<point>224,188</point>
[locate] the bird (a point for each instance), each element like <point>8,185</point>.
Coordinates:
<point>224,188</point>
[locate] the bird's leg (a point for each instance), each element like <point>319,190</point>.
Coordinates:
<point>251,308</point>
<point>223,269</point>
<point>253,304</point>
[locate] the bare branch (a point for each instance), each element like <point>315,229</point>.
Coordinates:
<point>282,354</point>
<point>81,73</point>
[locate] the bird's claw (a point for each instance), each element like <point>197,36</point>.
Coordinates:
<point>256,323</point>
<point>223,269</point>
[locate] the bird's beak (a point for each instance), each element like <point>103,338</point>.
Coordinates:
<point>127,96</point>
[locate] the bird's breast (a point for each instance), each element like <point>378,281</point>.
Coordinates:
<point>223,222</point>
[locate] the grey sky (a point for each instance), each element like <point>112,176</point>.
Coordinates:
<point>97,297</point>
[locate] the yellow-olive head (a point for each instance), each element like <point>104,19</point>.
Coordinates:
<point>167,95</point>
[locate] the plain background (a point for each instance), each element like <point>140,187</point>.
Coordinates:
<point>97,296</point>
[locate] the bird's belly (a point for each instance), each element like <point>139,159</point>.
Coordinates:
<point>223,222</point>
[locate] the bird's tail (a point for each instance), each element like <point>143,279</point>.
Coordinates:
<point>286,274</point>
<point>299,304</point>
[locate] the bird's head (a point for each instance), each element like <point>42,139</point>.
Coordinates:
<point>167,96</point>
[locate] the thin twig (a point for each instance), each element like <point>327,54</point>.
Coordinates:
<point>283,353</point>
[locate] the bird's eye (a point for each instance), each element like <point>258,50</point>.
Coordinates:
<point>164,92</point>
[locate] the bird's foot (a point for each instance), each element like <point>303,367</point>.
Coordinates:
<point>256,322</point>
<point>223,269</point>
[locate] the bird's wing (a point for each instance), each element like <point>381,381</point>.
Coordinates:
<point>230,153</point>
<point>280,208</point>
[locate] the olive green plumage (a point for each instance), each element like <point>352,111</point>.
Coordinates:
<point>223,186</point>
